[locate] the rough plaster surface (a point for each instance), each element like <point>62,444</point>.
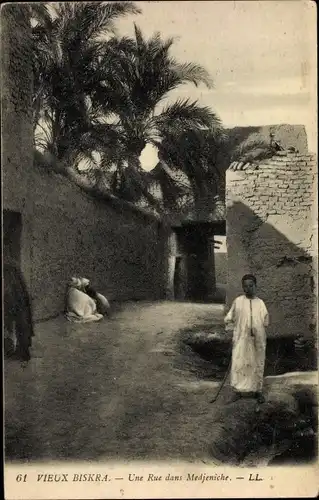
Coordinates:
<point>271,232</point>
<point>16,113</point>
<point>74,234</point>
<point>221,267</point>
<point>16,79</point>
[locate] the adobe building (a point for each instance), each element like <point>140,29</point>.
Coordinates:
<point>196,269</point>
<point>271,226</point>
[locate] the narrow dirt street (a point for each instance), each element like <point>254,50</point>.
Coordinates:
<point>111,390</point>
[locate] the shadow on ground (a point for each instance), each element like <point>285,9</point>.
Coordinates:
<point>209,348</point>
<point>128,388</point>
<point>287,432</point>
<point>109,390</point>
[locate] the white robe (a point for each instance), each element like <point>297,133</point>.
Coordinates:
<point>102,304</point>
<point>249,352</point>
<point>80,307</point>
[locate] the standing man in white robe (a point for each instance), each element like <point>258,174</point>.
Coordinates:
<point>249,316</point>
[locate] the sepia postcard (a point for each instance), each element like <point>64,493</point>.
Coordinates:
<point>160,258</point>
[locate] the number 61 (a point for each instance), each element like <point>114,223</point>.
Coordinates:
<point>21,477</point>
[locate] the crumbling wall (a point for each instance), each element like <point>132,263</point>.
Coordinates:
<point>271,232</point>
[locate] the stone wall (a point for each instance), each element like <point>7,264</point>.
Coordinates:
<point>272,233</point>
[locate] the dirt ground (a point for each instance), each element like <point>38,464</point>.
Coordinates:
<point>111,390</point>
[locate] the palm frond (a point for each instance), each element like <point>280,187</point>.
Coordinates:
<point>146,70</point>
<point>157,49</point>
<point>252,149</point>
<point>106,135</point>
<point>184,115</point>
<point>132,185</point>
<point>193,73</point>
<point>97,18</point>
<point>86,159</point>
<point>171,191</point>
<point>41,15</point>
<point>140,43</point>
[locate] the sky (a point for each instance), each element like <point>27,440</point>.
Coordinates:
<point>260,54</point>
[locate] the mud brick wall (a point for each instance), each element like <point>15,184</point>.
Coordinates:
<point>73,234</point>
<point>64,231</point>
<point>221,267</point>
<point>16,113</point>
<point>16,102</point>
<point>272,233</point>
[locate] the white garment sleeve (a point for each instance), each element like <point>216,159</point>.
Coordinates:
<point>230,316</point>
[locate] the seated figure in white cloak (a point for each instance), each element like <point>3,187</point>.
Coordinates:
<point>80,308</point>
<point>102,304</point>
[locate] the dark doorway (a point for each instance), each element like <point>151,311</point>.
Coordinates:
<point>180,278</point>
<point>197,270</point>
<point>12,227</point>
<point>197,244</point>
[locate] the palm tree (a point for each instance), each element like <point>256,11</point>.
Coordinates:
<point>142,75</point>
<point>198,152</point>
<point>108,95</point>
<point>69,52</point>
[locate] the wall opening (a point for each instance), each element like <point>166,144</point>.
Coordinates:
<point>197,272</point>
<point>12,228</point>
<point>192,275</point>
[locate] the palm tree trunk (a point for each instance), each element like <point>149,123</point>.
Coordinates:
<point>200,198</point>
